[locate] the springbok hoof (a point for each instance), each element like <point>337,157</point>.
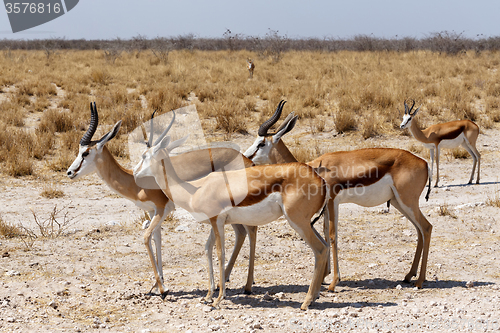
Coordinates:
<point>164,294</point>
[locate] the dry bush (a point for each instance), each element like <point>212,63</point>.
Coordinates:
<point>303,154</point>
<point>27,88</point>
<point>18,163</point>
<point>344,121</point>
<point>445,211</point>
<point>100,76</point>
<point>12,114</point>
<point>163,100</point>
<point>459,153</point>
<point>51,192</point>
<point>70,141</point>
<point>21,100</point>
<point>41,104</point>
<point>53,121</point>
<point>61,161</point>
<point>43,144</point>
<point>118,147</point>
<point>494,200</point>
<point>229,116</point>
<point>8,230</point>
<point>17,147</point>
<point>372,126</point>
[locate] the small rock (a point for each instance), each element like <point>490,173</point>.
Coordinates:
<point>280,295</point>
<point>214,327</point>
<point>433,303</point>
<point>267,297</point>
<point>53,305</point>
<point>11,319</point>
<point>5,255</point>
<point>207,308</point>
<point>182,228</point>
<point>372,265</point>
<point>111,223</point>
<point>12,273</point>
<point>399,287</point>
<point>256,326</point>
<point>469,284</point>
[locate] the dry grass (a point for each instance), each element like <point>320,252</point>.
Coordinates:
<point>9,230</point>
<point>359,90</point>
<point>51,192</point>
<point>494,200</point>
<point>444,210</point>
<point>459,153</point>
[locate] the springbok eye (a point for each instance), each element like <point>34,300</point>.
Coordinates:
<point>260,145</point>
<point>85,154</point>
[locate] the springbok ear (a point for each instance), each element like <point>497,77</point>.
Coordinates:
<point>161,145</point>
<point>177,143</point>
<point>285,129</point>
<point>415,112</point>
<point>108,136</point>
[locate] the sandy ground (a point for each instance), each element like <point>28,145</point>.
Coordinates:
<point>96,275</point>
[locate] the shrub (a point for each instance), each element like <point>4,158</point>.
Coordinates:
<point>344,121</point>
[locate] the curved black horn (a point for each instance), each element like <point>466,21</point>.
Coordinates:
<point>94,120</point>
<point>150,141</point>
<point>412,105</point>
<point>271,121</point>
<point>162,135</point>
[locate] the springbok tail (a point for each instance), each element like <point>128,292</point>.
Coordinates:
<point>327,197</point>
<point>430,181</point>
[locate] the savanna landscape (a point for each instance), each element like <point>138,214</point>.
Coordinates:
<point>73,256</point>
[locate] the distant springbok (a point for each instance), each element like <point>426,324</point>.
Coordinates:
<point>446,135</point>
<point>251,67</point>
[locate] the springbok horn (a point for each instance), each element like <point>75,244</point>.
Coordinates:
<point>271,121</point>
<point>150,141</point>
<point>413,104</point>
<point>94,120</point>
<point>287,119</point>
<point>162,135</point>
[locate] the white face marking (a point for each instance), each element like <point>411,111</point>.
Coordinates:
<point>146,171</point>
<point>83,164</point>
<point>406,121</point>
<point>259,151</point>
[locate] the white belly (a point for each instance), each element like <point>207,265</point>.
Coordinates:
<point>453,143</point>
<point>266,211</point>
<point>368,196</point>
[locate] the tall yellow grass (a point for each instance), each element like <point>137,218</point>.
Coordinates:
<point>361,91</point>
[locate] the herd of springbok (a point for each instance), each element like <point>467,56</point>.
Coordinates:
<point>222,186</point>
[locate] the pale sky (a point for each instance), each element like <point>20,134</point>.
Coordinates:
<point>109,19</point>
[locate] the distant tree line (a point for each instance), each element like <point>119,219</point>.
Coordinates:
<point>274,43</point>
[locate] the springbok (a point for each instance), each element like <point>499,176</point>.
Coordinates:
<point>445,135</point>
<point>95,156</point>
<point>367,177</point>
<point>252,196</point>
<point>250,67</point>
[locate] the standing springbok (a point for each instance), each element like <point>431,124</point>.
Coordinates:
<point>250,67</point>
<point>452,134</point>
<point>367,177</point>
<point>95,156</point>
<point>252,196</point>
